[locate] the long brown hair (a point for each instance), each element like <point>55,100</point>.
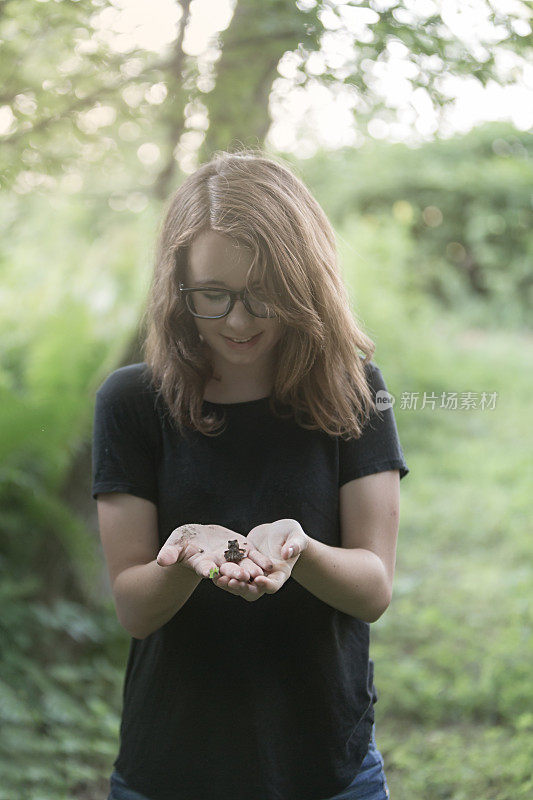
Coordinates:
<point>259,202</point>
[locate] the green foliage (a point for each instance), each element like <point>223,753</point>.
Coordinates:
<point>423,233</point>
<point>77,104</point>
<point>70,288</point>
<point>60,690</point>
<point>456,762</point>
<point>73,279</point>
<point>43,537</point>
<point>64,87</point>
<point>465,207</point>
<point>451,652</point>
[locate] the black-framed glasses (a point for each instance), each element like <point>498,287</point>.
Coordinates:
<point>214,303</point>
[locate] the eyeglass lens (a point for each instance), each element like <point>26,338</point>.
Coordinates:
<point>216,303</point>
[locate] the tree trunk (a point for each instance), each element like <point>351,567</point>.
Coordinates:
<point>259,34</point>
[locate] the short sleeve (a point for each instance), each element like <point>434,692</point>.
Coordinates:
<point>125,442</point>
<point>378,448</point>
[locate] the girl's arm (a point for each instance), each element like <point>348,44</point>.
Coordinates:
<point>350,580</point>
<point>357,577</point>
<point>146,594</point>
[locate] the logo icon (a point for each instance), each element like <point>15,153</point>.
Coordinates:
<point>384,400</point>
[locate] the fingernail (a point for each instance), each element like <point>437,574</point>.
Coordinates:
<point>291,551</point>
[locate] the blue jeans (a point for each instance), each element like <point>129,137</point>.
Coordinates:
<point>369,783</point>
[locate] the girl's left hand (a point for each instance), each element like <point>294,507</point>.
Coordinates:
<point>281,544</point>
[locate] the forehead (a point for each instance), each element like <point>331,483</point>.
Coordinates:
<point>218,259</point>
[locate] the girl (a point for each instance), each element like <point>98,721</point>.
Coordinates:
<point>246,460</point>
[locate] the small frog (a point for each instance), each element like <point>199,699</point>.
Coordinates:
<point>234,552</point>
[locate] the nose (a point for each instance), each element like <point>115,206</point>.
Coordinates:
<point>239,318</point>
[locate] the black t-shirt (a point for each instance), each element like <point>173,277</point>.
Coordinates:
<point>230,699</point>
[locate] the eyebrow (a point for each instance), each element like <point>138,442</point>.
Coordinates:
<point>210,282</point>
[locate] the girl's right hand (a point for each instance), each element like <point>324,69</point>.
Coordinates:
<point>201,549</point>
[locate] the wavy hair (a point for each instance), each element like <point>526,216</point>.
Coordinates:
<point>259,202</point>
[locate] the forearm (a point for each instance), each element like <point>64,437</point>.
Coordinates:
<point>148,595</point>
<point>352,580</point>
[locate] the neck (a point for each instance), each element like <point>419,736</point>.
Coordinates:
<point>233,384</point>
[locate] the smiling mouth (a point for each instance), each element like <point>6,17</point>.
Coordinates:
<point>249,340</point>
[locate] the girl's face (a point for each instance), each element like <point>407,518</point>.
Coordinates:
<point>218,262</point>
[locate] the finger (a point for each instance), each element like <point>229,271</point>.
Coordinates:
<point>271,583</point>
<point>207,569</point>
<point>252,593</point>
<point>223,583</point>
<point>265,584</point>
<point>220,580</point>
<point>245,590</point>
<point>234,583</point>
<point>252,568</point>
<point>233,570</point>
<point>260,558</point>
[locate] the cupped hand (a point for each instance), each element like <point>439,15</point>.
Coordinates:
<point>276,546</point>
<point>201,548</point>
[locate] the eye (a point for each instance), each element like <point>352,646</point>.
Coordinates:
<point>215,295</point>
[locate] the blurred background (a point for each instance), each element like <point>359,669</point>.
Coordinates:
<point>411,123</point>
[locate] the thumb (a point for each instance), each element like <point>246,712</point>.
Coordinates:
<point>291,548</point>
<point>168,555</point>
